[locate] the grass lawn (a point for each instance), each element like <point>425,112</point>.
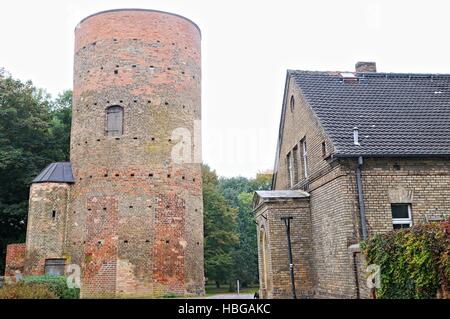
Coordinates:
<point>213,290</point>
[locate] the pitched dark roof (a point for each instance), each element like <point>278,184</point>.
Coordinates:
<point>60,172</point>
<point>396,114</point>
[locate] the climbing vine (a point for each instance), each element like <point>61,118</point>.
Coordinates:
<point>414,262</point>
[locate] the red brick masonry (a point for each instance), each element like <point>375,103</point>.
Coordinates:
<point>15,259</point>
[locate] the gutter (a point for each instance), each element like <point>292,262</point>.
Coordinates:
<point>338,155</point>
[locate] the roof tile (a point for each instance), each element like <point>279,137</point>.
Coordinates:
<point>396,114</point>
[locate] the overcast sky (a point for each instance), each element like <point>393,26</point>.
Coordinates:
<point>247,47</point>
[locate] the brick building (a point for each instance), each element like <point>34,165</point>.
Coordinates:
<point>124,209</point>
<point>358,153</point>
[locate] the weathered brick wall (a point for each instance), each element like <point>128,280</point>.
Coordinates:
<point>360,272</point>
<point>333,231</point>
<point>148,197</point>
<point>274,272</point>
<point>300,122</point>
<point>101,247</point>
<point>15,259</point>
<point>46,224</point>
<point>423,183</point>
<point>333,221</point>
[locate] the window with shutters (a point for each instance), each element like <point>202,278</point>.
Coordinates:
<point>114,120</point>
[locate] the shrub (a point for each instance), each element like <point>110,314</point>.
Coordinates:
<point>27,291</point>
<point>57,284</point>
<point>414,262</point>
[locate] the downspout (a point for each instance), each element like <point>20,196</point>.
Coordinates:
<point>362,209</point>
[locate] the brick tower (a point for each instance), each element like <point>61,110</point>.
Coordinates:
<point>136,212</point>
<point>126,209</point>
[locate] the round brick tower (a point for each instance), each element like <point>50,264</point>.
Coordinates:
<point>135,224</point>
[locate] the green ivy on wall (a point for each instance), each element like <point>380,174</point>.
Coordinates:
<point>414,262</point>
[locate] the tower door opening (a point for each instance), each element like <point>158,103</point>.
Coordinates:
<point>55,266</point>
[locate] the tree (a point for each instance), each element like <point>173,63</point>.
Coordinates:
<point>238,192</point>
<point>33,133</point>
<point>221,238</point>
<point>61,113</point>
<point>246,256</point>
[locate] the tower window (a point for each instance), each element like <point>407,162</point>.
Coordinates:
<point>54,214</point>
<point>114,120</point>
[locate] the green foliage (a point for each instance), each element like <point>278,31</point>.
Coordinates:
<point>61,120</point>
<point>219,226</point>
<point>238,192</point>
<point>414,262</point>
<point>57,284</point>
<point>34,131</point>
<point>27,291</point>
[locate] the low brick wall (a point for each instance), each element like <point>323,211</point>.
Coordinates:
<point>362,291</point>
<point>15,259</point>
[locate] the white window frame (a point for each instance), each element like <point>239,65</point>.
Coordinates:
<point>403,221</point>
<point>304,157</point>
<point>290,160</point>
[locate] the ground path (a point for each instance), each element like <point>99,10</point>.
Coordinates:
<point>231,296</point>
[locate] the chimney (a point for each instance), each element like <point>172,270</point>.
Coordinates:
<point>366,67</point>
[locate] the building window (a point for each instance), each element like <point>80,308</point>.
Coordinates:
<point>290,168</point>
<point>114,120</point>
<point>294,167</point>
<point>292,103</point>
<point>401,216</point>
<point>324,149</point>
<point>304,156</point>
<point>55,266</point>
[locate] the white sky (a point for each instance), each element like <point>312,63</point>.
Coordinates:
<point>247,47</point>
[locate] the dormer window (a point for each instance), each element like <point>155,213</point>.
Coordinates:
<point>348,77</point>
<point>114,120</point>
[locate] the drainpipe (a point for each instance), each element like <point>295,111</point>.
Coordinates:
<point>362,210</point>
<point>287,223</point>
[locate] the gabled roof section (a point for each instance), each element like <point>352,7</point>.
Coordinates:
<point>396,114</point>
<point>60,172</point>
